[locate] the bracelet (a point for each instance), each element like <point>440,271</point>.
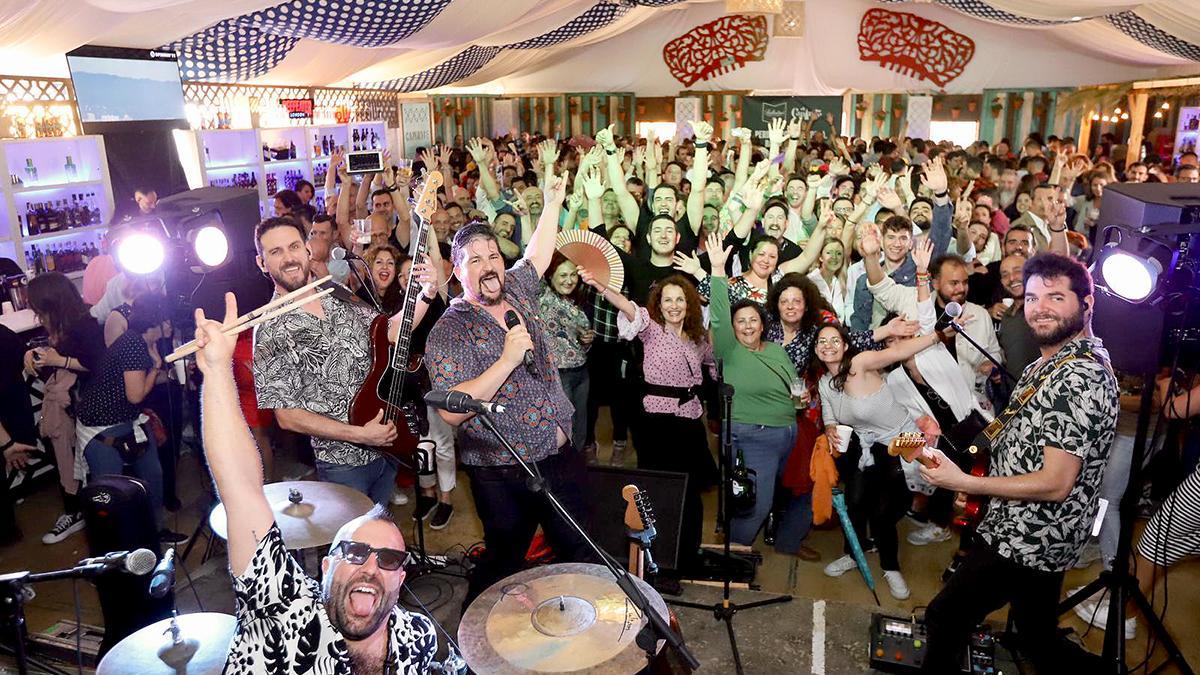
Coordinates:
<point>941,194</point>
<point>794,138</point>
<point>610,152</point>
<point>426,299</point>
<point>11,442</point>
<point>701,145</point>
<point>1061,229</point>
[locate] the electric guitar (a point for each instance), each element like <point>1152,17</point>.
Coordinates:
<point>391,366</point>
<point>639,527</point>
<point>910,446</point>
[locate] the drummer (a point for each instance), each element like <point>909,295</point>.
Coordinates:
<point>288,622</point>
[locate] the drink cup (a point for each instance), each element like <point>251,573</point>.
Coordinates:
<point>844,431</point>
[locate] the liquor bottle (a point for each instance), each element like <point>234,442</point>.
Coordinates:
<point>266,153</point>
<point>254,180</point>
<point>49,260</point>
<point>31,221</point>
<point>374,140</point>
<point>70,168</point>
<point>31,170</point>
<point>355,140</point>
<point>324,145</point>
<point>316,148</point>
<point>291,150</point>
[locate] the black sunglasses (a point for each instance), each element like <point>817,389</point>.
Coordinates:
<point>356,553</point>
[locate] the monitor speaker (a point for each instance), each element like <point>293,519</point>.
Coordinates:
<point>118,517</point>
<point>606,517</point>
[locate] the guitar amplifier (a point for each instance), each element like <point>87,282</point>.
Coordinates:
<point>897,644</point>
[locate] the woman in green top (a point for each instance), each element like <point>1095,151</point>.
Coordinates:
<point>764,413</point>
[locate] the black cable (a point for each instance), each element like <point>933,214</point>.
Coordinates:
<point>78,627</point>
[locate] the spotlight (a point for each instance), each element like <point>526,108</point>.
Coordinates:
<point>1095,117</point>
<point>141,252</point>
<point>1129,276</point>
<point>210,246</point>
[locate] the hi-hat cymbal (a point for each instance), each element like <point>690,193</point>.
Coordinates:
<point>565,618</point>
<point>203,648</point>
<point>309,513</point>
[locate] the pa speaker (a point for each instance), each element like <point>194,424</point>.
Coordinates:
<point>118,517</point>
<point>606,517</point>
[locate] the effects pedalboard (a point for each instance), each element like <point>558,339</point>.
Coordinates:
<point>898,645</point>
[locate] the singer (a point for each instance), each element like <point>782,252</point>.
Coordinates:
<point>287,622</point>
<point>492,345</point>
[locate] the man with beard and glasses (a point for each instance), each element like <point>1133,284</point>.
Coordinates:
<point>1050,447</point>
<point>309,364</point>
<point>472,350</point>
<point>986,288</point>
<point>288,622</point>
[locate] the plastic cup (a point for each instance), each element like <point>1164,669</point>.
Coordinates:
<point>844,431</point>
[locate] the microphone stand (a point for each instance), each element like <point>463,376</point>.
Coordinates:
<point>995,362</point>
<point>370,287</point>
<point>656,628</point>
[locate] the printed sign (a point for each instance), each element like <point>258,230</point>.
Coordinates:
<point>298,108</point>
<point>758,111</point>
<point>416,125</point>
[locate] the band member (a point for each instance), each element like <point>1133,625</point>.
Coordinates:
<point>286,621</point>
<point>1047,464</point>
<point>309,364</point>
<point>471,350</point>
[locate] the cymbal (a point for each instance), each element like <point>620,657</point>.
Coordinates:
<point>204,646</point>
<point>565,618</point>
<point>321,510</point>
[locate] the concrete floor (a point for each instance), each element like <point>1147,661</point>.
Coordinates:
<point>774,640</point>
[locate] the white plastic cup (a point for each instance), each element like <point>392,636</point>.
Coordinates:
<point>7,307</point>
<point>844,431</point>
<point>1008,302</point>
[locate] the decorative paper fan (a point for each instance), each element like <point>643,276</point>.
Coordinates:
<point>594,253</point>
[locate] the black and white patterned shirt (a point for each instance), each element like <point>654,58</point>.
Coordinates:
<point>283,629</point>
<point>1074,410</point>
<point>317,365</point>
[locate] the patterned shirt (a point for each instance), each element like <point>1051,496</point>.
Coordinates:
<point>318,365</point>
<point>466,341</point>
<point>283,628</point>
<point>802,347</point>
<point>564,322</point>
<point>739,289</point>
<point>604,317</point>
<point>670,360</point>
<point>1075,410</point>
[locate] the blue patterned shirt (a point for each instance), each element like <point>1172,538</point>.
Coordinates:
<point>466,341</point>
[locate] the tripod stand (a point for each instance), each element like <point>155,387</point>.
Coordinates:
<point>726,608</point>
<point>1119,583</point>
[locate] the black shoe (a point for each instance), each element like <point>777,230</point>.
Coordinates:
<point>424,507</point>
<point>769,529</point>
<point>172,538</point>
<point>439,518</point>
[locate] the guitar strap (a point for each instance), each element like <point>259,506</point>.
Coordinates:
<point>1018,401</point>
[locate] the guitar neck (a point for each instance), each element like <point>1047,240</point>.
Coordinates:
<point>411,297</point>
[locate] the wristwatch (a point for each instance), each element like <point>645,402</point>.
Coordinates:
<point>11,442</point>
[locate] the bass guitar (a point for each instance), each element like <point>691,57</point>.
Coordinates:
<point>910,446</point>
<point>390,382</point>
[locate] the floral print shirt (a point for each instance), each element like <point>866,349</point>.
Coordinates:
<point>565,321</point>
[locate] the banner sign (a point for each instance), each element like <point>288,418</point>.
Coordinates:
<point>298,108</point>
<point>758,111</point>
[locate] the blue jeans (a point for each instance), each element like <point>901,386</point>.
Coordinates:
<point>765,450</point>
<point>794,523</point>
<point>575,386</point>
<point>376,480</point>
<point>104,460</point>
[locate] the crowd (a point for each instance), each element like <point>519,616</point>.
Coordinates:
<point>812,273</point>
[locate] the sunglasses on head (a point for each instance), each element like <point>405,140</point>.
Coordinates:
<point>356,553</point>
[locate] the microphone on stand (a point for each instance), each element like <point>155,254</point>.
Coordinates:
<point>511,320</point>
<point>164,575</point>
<point>459,403</point>
<point>339,253</point>
<point>138,562</point>
<point>338,256</point>
<point>950,312</point>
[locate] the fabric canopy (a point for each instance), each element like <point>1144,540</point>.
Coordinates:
<point>576,45</point>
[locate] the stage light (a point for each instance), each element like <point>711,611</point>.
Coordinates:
<point>1128,276</point>
<point>1095,117</point>
<point>141,253</point>
<point>210,245</point>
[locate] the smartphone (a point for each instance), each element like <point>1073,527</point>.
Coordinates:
<point>365,161</point>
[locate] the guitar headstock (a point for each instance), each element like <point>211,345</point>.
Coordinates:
<point>907,446</point>
<point>639,515</point>
<point>425,202</point>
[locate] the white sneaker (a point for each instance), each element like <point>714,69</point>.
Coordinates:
<point>896,584</point>
<point>840,566</point>
<point>399,498</point>
<point>929,534</point>
<point>1096,613</point>
<point>66,525</point>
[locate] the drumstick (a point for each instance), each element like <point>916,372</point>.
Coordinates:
<point>192,347</point>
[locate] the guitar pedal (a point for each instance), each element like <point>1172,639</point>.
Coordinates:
<point>897,644</point>
<point>981,653</point>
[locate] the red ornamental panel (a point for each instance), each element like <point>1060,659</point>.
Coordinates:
<point>716,47</point>
<point>913,45</point>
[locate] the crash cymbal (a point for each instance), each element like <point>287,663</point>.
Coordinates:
<point>565,618</point>
<point>203,646</point>
<point>309,513</point>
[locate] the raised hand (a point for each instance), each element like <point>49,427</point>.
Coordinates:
<point>888,198</point>
<point>548,154</point>
<point>518,204</point>
<point>901,327</point>
<point>604,138</point>
<point>556,188</point>
<point>776,131</point>
<point>934,177</point>
<point>427,157</point>
<point>590,279</point>
<point>744,135</point>
<point>574,200</point>
<point>702,131</point>
<point>215,347</point>
<point>717,254</point>
<point>922,253</point>
<point>795,130</point>
<point>592,187</point>
<point>478,152</point>
<point>838,168</point>
<point>868,239</point>
<point>423,273</point>
<point>687,263</point>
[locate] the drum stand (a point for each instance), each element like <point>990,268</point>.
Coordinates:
<point>423,563</point>
<point>656,627</point>
<point>725,609</point>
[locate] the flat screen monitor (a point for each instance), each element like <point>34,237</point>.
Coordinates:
<point>113,84</point>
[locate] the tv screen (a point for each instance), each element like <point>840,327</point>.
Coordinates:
<point>126,85</point>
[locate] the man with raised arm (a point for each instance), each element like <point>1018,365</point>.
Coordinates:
<point>288,622</point>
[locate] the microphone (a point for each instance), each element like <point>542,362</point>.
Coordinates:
<point>138,562</point>
<point>953,310</point>
<point>457,402</point>
<point>339,253</point>
<point>164,575</point>
<point>511,320</point>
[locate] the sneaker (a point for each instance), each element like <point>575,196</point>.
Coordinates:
<point>1095,613</point>
<point>917,517</point>
<point>171,538</point>
<point>1089,554</point>
<point>424,507</point>
<point>840,566</point>
<point>618,453</point>
<point>439,518</point>
<point>66,525</point>
<point>930,534</point>
<point>399,498</point>
<point>896,584</point>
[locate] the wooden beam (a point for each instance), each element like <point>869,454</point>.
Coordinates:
<point>1137,123</point>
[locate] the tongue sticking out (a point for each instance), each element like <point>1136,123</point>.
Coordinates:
<point>491,284</point>
<point>361,603</point>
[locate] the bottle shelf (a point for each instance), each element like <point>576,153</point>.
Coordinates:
<point>61,234</point>
<point>55,186</point>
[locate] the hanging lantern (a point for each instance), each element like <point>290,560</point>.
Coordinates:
<point>881,115</point>
<point>997,108</point>
<point>753,6</point>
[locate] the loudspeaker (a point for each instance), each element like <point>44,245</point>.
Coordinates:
<point>1136,205</point>
<point>118,517</point>
<point>239,211</point>
<point>605,520</point>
